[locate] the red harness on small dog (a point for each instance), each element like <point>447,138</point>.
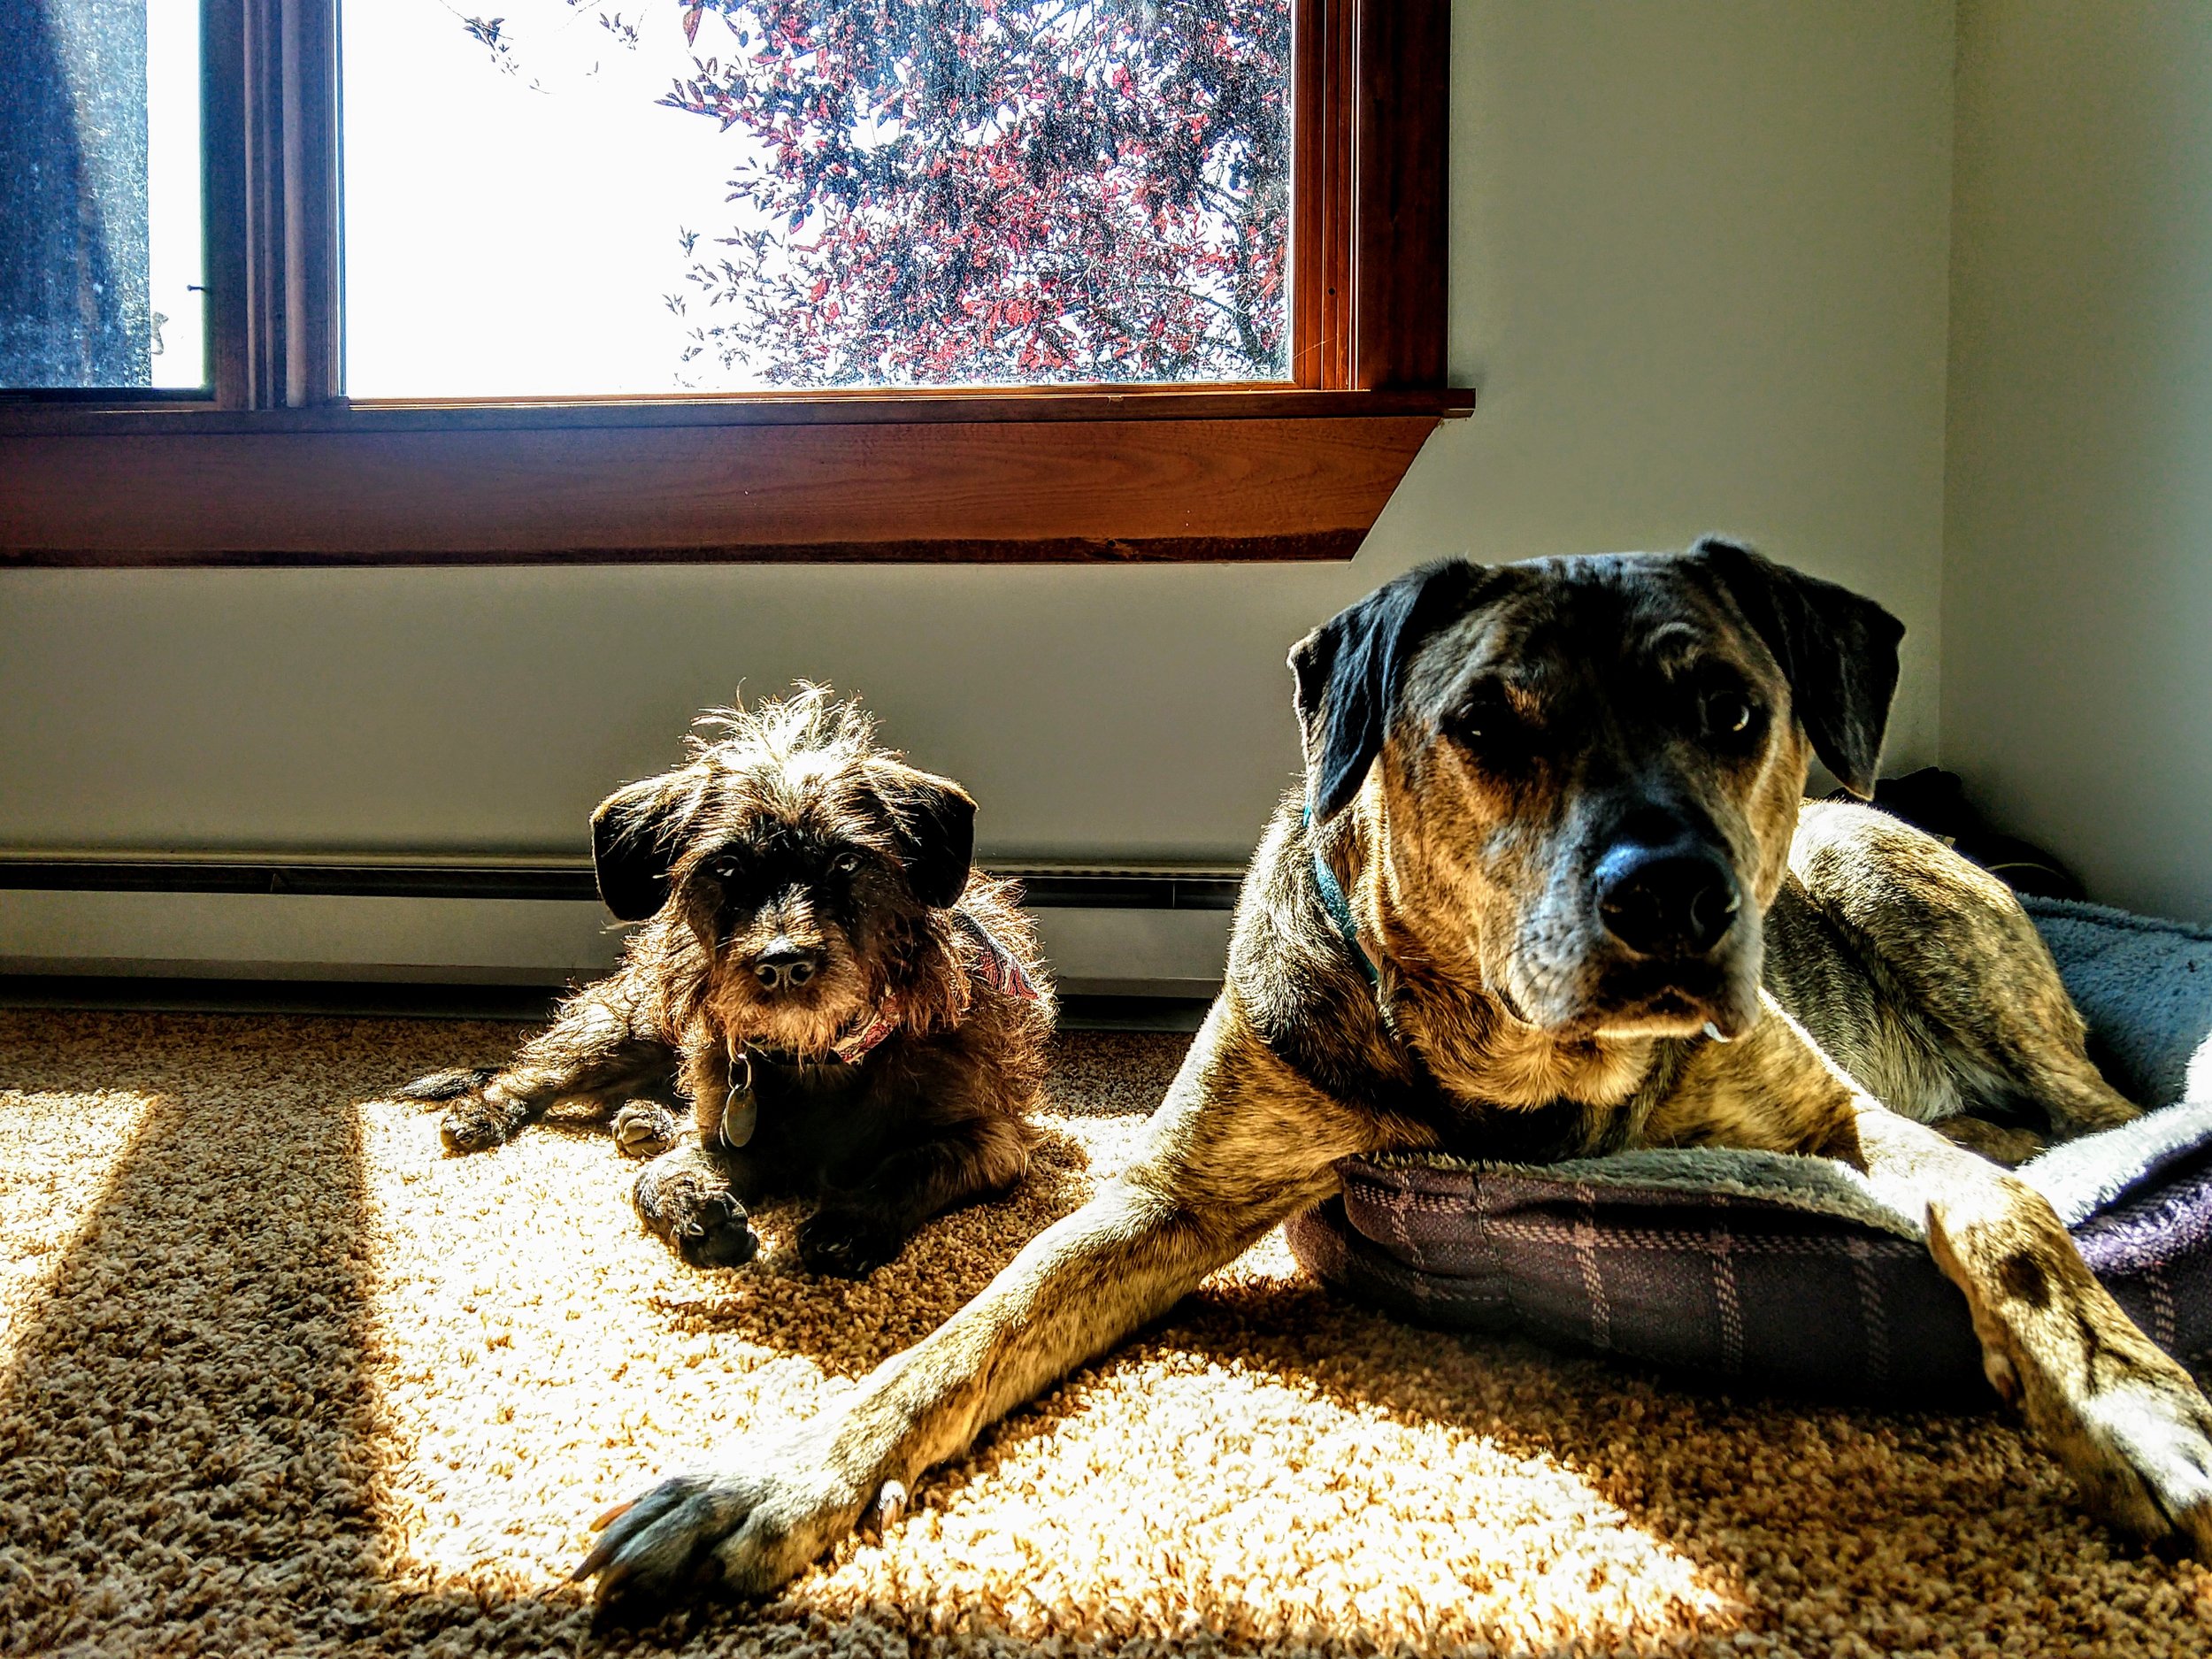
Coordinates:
<point>994,966</point>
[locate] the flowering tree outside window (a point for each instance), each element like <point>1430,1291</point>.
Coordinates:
<point>1002,190</point>
<point>985,192</point>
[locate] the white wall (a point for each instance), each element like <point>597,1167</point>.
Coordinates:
<point>1699,274</point>
<point>2077,583</point>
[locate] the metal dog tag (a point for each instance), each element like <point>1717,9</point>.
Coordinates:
<point>741,1114</point>
<point>740,1110</point>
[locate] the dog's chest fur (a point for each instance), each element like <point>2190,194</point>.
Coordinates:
<point>817,1118</point>
<point>1501,1085</point>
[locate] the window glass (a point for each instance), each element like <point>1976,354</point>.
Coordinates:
<point>101,244</point>
<point>717,195</point>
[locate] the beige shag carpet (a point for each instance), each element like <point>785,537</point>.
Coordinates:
<point>277,1378</point>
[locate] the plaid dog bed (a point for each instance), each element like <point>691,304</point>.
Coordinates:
<point>1802,1273</point>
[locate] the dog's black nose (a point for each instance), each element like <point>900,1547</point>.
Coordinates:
<point>785,967</point>
<point>1666,901</point>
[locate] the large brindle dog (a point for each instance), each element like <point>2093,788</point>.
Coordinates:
<point>1549,892</point>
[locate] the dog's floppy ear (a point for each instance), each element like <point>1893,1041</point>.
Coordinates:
<point>1350,668</point>
<point>934,821</point>
<point>1836,650</point>
<point>635,836</point>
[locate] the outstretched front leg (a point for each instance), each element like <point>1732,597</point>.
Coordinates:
<point>1239,1143</point>
<point>599,1047</point>
<point>2131,1426</point>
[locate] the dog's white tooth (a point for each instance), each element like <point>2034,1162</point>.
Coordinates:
<point>887,1510</point>
<point>1715,1034</point>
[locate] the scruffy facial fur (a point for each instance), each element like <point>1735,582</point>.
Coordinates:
<point>796,884</point>
<point>1551,802</point>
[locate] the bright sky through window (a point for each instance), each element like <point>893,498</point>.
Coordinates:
<point>176,281</point>
<point>714,196</point>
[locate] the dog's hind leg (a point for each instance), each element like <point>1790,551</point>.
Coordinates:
<point>593,1050</point>
<point>2005,1028</point>
<point>1951,943</point>
<point>2067,1088</point>
<point>2001,1143</point>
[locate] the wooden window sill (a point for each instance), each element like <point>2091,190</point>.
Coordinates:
<point>1245,473</point>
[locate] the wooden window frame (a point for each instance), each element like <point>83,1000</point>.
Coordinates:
<point>277,467</point>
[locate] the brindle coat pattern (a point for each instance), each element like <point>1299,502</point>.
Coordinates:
<point>1480,745</point>
<point>791,837</point>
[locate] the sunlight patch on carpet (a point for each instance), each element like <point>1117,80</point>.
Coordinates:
<point>1174,1495</point>
<point>545,1357</point>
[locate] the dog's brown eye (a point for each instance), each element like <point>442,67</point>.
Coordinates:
<point>722,870</point>
<point>1729,714</point>
<point>1486,723</point>
<point>847,863</point>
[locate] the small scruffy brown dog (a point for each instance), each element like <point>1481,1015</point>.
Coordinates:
<point>853,1011</point>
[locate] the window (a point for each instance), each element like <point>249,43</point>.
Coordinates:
<point>738,196</point>
<point>102,283</point>
<point>751,278</point>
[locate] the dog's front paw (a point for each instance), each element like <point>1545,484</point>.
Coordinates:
<point>846,1243</point>
<point>689,1203</point>
<point>745,1533</point>
<point>2139,1447</point>
<point>2129,1424</point>
<point>646,1128</point>
<point>478,1121</point>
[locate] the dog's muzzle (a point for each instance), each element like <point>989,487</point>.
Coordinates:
<point>1683,958</point>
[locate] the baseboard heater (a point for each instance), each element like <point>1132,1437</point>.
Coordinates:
<point>1109,929</point>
